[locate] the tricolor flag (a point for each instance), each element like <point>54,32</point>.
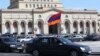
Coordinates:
<point>54,19</point>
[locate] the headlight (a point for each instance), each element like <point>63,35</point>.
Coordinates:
<point>12,45</point>
<point>83,49</point>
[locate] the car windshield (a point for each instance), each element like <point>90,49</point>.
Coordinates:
<point>9,40</point>
<point>66,41</point>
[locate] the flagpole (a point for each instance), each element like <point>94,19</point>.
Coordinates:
<point>33,21</point>
<point>59,26</point>
<point>58,29</point>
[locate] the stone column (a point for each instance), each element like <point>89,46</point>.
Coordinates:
<point>36,29</point>
<point>84,28</point>
<point>19,28</point>
<point>90,28</point>
<point>4,30</point>
<point>97,28</point>
<point>63,30</point>
<point>11,28</point>
<point>46,28</point>
<point>71,28</point>
<point>26,28</point>
<point>78,25</point>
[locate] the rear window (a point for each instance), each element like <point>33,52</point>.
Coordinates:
<point>9,40</point>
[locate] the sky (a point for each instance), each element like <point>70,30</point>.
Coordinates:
<point>68,4</point>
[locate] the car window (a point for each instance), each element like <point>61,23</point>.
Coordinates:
<point>66,36</point>
<point>43,41</point>
<point>74,36</point>
<point>65,41</point>
<point>9,40</point>
<point>28,37</point>
<point>55,41</point>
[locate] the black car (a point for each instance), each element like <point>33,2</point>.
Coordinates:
<point>10,44</point>
<point>92,37</point>
<point>56,46</point>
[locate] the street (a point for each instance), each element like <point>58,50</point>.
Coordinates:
<point>20,54</point>
<point>94,45</point>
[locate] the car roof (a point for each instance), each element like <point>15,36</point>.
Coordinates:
<point>6,38</point>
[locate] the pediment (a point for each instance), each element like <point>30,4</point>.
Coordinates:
<point>48,10</point>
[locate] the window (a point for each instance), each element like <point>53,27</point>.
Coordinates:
<point>66,16</point>
<point>43,41</point>
<point>30,6</point>
<point>26,5</point>
<point>37,5</point>
<point>55,5</point>
<point>33,5</point>
<point>39,16</point>
<point>48,6</point>
<point>21,0</point>
<point>55,41</point>
<point>98,24</point>
<point>44,5</point>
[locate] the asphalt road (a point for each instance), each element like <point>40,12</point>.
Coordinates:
<point>20,54</point>
<point>94,45</point>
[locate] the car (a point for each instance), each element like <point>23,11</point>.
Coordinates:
<point>73,38</point>
<point>77,38</point>
<point>8,44</point>
<point>25,38</point>
<point>49,45</point>
<point>7,35</point>
<point>67,36</point>
<point>92,37</point>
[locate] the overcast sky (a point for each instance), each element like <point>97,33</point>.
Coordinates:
<point>68,4</point>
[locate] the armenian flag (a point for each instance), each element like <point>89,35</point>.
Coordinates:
<point>54,19</point>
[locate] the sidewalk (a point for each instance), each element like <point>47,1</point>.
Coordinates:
<point>94,45</point>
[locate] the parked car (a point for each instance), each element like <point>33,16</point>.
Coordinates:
<point>25,38</point>
<point>92,37</point>
<point>77,38</point>
<point>7,35</point>
<point>56,46</point>
<point>74,38</point>
<point>67,36</point>
<point>10,44</point>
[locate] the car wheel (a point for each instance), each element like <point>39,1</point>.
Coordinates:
<point>35,53</point>
<point>74,53</point>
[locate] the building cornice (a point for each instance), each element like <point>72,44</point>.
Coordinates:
<point>64,11</point>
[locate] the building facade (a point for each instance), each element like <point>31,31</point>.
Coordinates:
<point>27,16</point>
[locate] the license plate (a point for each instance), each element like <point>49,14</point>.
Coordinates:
<point>19,48</point>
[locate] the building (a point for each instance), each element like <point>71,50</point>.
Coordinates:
<point>27,16</point>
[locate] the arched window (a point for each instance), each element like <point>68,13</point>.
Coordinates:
<point>7,24</point>
<point>23,28</point>
<point>26,5</point>
<point>15,28</point>
<point>30,28</point>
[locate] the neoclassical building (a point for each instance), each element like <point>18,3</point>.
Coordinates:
<point>27,16</point>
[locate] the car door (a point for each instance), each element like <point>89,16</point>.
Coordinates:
<point>58,47</point>
<point>2,46</point>
<point>44,45</point>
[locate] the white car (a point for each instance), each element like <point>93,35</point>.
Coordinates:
<point>25,39</point>
<point>77,38</point>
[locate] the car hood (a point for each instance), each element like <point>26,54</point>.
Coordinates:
<point>76,45</point>
<point>13,43</point>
